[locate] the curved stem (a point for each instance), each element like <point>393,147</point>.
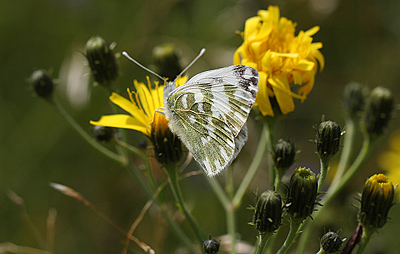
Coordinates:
<point>261,242</point>
<point>293,233</point>
<point>251,172</point>
<point>366,236</point>
<point>87,137</point>
<point>323,172</point>
<point>176,191</point>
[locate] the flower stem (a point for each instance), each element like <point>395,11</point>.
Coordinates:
<point>251,172</point>
<point>366,236</point>
<point>87,137</point>
<point>293,233</point>
<point>323,173</point>
<point>176,191</point>
<point>261,242</point>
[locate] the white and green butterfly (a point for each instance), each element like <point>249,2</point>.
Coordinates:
<point>210,111</point>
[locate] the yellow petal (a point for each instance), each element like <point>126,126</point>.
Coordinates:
<point>262,99</point>
<point>283,94</point>
<point>310,32</point>
<point>251,27</point>
<point>121,121</point>
<point>304,65</point>
<point>297,77</point>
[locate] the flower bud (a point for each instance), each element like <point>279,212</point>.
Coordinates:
<point>167,146</point>
<point>284,153</point>
<point>378,111</point>
<point>354,99</point>
<point>331,242</point>
<point>327,141</point>
<point>268,212</point>
<point>42,84</point>
<point>302,195</point>
<point>167,61</point>
<point>102,62</point>
<point>103,134</point>
<point>211,246</point>
<point>376,201</point>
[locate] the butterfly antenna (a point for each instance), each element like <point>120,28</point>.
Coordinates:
<point>143,67</point>
<point>194,60</point>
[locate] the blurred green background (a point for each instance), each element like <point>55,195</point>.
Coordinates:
<point>361,43</point>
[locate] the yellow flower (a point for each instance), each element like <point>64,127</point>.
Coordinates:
<point>142,106</point>
<point>390,160</point>
<point>281,58</point>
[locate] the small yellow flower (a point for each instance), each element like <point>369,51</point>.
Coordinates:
<point>390,160</point>
<point>281,58</point>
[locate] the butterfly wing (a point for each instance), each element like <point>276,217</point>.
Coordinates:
<point>209,112</point>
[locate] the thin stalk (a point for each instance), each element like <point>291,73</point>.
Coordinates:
<point>229,210</point>
<point>270,147</point>
<point>87,137</point>
<point>262,240</point>
<point>366,236</point>
<point>251,172</point>
<point>323,172</point>
<point>176,191</point>
<point>294,231</point>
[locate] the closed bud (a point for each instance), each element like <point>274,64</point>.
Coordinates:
<point>211,246</point>
<point>268,212</point>
<point>284,153</point>
<point>42,84</point>
<point>327,141</point>
<point>376,201</point>
<point>302,195</point>
<point>331,242</point>
<point>378,111</point>
<point>102,62</point>
<point>103,134</point>
<point>354,99</point>
<point>167,146</point>
<point>167,61</point>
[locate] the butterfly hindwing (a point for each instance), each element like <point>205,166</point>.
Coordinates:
<point>209,113</point>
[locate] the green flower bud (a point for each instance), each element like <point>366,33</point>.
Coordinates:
<point>211,246</point>
<point>331,242</point>
<point>284,153</point>
<point>102,62</point>
<point>327,141</point>
<point>103,134</point>
<point>354,99</point>
<point>167,61</point>
<point>302,193</point>
<point>167,146</point>
<point>268,212</point>
<point>376,201</point>
<point>378,111</point>
<point>42,84</point>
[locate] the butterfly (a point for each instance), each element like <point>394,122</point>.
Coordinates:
<point>209,113</point>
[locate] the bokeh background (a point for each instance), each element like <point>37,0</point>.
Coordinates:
<point>361,43</point>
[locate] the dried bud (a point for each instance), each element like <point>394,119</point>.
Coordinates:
<point>103,134</point>
<point>354,99</point>
<point>378,111</point>
<point>42,84</point>
<point>302,196</point>
<point>331,242</point>
<point>167,146</point>
<point>268,212</point>
<point>167,61</point>
<point>211,246</point>
<point>327,141</point>
<point>102,62</point>
<point>284,153</point>
<point>376,201</point>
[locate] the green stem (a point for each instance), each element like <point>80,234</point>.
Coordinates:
<point>293,233</point>
<point>229,210</point>
<point>176,191</point>
<point>366,236</point>
<point>324,172</point>
<point>87,137</point>
<point>261,243</point>
<point>270,148</point>
<point>334,189</point>
<point>251,172</point>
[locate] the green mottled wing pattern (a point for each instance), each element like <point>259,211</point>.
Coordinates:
<point>209,113</point>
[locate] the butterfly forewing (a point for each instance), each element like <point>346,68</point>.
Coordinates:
<point>209,114</point>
